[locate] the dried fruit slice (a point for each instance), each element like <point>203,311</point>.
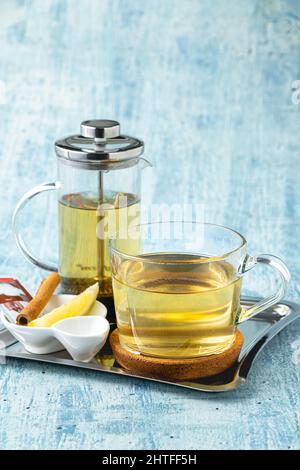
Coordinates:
<point>80,305</point>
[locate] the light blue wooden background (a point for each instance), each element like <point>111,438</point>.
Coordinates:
<point>208,87</point>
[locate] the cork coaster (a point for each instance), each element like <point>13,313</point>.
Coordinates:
<point>176,369</point>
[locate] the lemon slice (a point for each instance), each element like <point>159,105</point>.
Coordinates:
<point>80,305</point>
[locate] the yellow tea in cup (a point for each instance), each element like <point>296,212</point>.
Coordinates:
<point>178,310</point>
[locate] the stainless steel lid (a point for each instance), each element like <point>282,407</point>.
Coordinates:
<point>99,146</point>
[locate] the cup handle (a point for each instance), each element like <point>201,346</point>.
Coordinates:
<point>15,223</point>
<point>285,277</point>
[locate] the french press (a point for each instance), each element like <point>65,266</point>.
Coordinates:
<point>99,189</point>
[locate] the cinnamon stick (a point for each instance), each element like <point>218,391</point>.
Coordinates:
<point>40,300</point>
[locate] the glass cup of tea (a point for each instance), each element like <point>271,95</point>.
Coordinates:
<point>177,292</point>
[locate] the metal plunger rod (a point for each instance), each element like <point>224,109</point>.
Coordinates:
<point>100,237</point>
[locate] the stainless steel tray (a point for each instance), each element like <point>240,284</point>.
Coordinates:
<point>257,333</point>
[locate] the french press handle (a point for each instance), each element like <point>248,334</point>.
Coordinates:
<point>16,224</point>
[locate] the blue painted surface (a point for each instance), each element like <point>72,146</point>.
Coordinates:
<point>208,87</point>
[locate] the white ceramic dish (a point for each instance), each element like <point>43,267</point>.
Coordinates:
<point>83,337</point>
<point>41,340</point>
